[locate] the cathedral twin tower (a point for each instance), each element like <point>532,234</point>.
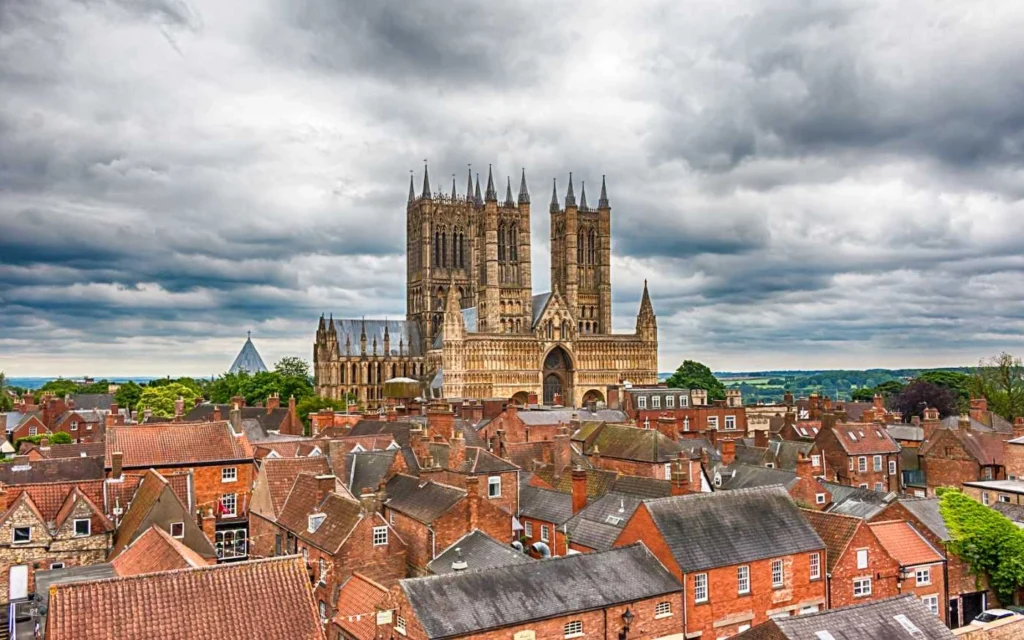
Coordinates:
<point>474,328</point>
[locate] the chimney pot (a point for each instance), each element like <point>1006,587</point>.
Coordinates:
<point>116,464</point>
<point>579,489</point>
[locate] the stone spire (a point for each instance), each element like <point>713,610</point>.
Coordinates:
<point>454,192</point>
<point>524,194</point>
<point>362,338</point>
<point>570,197</point>
<point>509,202</point>
<point>469,182</point>
<point>602,202</point>
<point>412,190</point>
<point>583,195</point>
<point>426,183</point>
<point>491,195</point>
<point>554,195</point>
<point>477,200</point>
<point>646,324</point>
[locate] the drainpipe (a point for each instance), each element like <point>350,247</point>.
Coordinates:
<point>685,615</point>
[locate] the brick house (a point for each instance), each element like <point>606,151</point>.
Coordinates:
<point>23,425</point>
<point>859,454</point>
<point>951,457</point>
<point>618,593</point>
<point>543,514</point>
<point>258,599</point>
<point>273,484</point>
<point>687,411</point>
<point>742,556</point>
<point>990,492</point>
<point>365,610</point>
<point>49,526</point>
<point>219,457</point>
<point>81,425</point>
<point>922,568</point>
<point>267,420</point>
<point>476,550</point>
<point>527,425</point>
<point>496,478</point>
<point>1013,452</point>
<point>157,550</point>
<point>627,449</point>
<point>858,569</point>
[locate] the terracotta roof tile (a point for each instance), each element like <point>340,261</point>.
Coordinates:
<point>835,530</point>
<point>149,492</point>
<point>342,514</point>
<point>863,438</point>
<point>358,600</point>
<point>244,601</point>
<point>903,542</point>
<point>280,474</point>
<point>176,443</point>
<point>153,551</point>
<point>50,496</point>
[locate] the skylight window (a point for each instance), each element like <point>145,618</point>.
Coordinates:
<point>613,520</point>
<point>852,436</point>
<point>315,521</point>
<point>910,627</point>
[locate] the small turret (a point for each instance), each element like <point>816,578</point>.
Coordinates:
<point>602,202</point>
<point>387,340</point>
<point>646,322</point>
<point>469,182</point>
<point>426,183</point>
<point>362,337</point>
<point>554,195</point>
<point>583,195</point>
<point>412,190</point>
<point>477,199</point>
<point>491,195</point>
<point>524,193</point>
<point>454,193</point>
<point>509,202</point>
<point>570,197</point>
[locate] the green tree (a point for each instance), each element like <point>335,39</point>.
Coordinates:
<point>60,387</point>
<point>6,402</point>
<point>694,375</point>
<point>312,404</point>
<point>956,382</point>
<point>258,387</point>
<point>58,437</point>
<point>195,388</point>
<point>160,400</point>
<point>128,395</point>
<point>1000,379</point>
<point>292,366</point>
<point>863,395</point>
<point>890,388</point>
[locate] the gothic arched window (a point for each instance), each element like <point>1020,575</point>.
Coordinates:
<point>444,249</point>
<point>437,248</point>
<point>501,242</point>
<point>513,242</point>
<point>580,237</point>
<point>462,250</point>
<point>593,247</point>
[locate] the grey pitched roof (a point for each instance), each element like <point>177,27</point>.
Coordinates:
<point>266,420</point>
<point>55,470</point>
<point>642,487</point>
<point>479,551</point>
<point>599,524</point>
<point>408,333</point>
<point>707,530</point>
<point>398,430</point>
<point>894,619</point>
<point>545,504</point>
<point>1014,512</point>
<point>99,401</point>
<point>248,359</point>
<point>540,300</point>
<point>540,416</point>
<point>368,469</point>
<point>927,511</point>
<point>906,432</point>
<point>745,476</point>
<point>474,601</point>
<point>422,500</point>
<point>855,501</point>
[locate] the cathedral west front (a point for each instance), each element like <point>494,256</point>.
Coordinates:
<point>474,328</point>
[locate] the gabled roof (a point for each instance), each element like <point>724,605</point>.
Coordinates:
<point>398,430</point>
<point>50,497</point>
<point>257,599</point>
<point>100,522</point>
<point>56,470</point>
<point>599,524</point>
<point>477,460</point>
<point>985,447</point>
<point>544,504</point>
<point>745,476</point>
<point>77,450</point>
<point>856,501</point>
<point>625,442</point>
<point>642,487</point>
<point>153,489</point>
<point>342,514</point>
<point>542,416</point>
<point>117,493</point>
<point>905,543</point>
<point>599,481</point>
<point>359,598</point>
<point>900,618</point>
<point>367,469</point>
<point>88,401</point>
<point>475,601</point>
<point>926,510</point>
<point>706,530</point>
<point>155,550</point>
<point>835,530</point>
<point>858,438</point>
<point>266,420</point>
<point>421,500</point>
<point>275,480</point>
<point>479,551</point>
<point>185,443</point>
<point>248,360</point>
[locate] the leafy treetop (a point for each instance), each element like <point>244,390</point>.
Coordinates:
<point>160,400</point>
<point>292,366</point>
<point>694,375</point>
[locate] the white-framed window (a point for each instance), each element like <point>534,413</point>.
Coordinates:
<point>861,587</point>
<point>641,402</point>
<point>879,486</point>
<point>878,463</point>
<point>230,503</point>
<point>380,536</point>
<point>730,423</point>
<point>684,401</point>
<point>1003,497</point>
<point>670,402</point>
<point>923,576</point>
<point>528,529</point>
<point>400,624</point>
<point>863,485</point>
<point>984,498</point>
<point>21,534</point>
<point>323,571</point>
<point>322,608</point>
<point>177,529</point>
<point>663,609</point>
<point>57,565</point>
<point>668,470</point>
<point>83,527</point>
<point>74,425</point>
<point>892,467</point>
<point>314,520</point>
<point>494,487</point>
<point>816,461</point>
<point>655,402</point>
<point>232,543</point>
<point>819,498</point>
<point>700,587</point>
<point>686,423</point>
<point>932,603</point>
<point>229,474</point>
<point>851,464</point>
<point>862,558</point>
<point>544,533</point>
<point>573,629</point>
<point>743,579</point>
<point>862,464</point>
<point>815,565</point>
<point>778,574</point>
<point>32,430</point>
<point>712,422</point>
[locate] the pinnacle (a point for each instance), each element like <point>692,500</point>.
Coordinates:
<point>426,183</point>
<point>469,183</point>
<point>524,194</point>
<point>554,194</point>
<point>602,202</point>
<point>508,192</point>
<point>570,197</point>
<point>491,195</point>
<point>412,190</point>
<point>454,192</point>
<point>477,200</point>
<point>583,195</point>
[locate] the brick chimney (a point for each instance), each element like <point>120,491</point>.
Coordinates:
<point>457,451</point>
<point>476,412</point>
<point>826,404</point>
<point>293,417</point>
<point>840,411</point>
<point>473,497</point>
<point>69,402</point>
<point>561,451</point>
<point>238,400</point>
<point>612,397</point>
<point>1018,427</point>
<point>761,438</point>
<point>579,489</point>
<point>964,423</point>
<point>501,449</point>
<point>367,499</point>
<point>417,441</point>
<point>179,408</point>
<point>236,419</point>
<point>789,419</point>
<point>728,451</point>
<point>44,443</point>
<point>208,523</point>
<point>828,420</point>
<point>979,409</point>
<point>273,401</point>
<point>803,467</point>
<point>931,422</point>
<point>531,398</point>
<point>787,399</point>
<point>681,476</point>
<point>440,420</point>
<point>712,435</point>
<point>325,485</point>
<point>814,406</point>
<point>216,413</point>
<point>198,400</point>
<point>116,464</point>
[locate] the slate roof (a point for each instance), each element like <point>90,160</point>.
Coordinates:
<point>155,550</point>
<point>906,432</point>
<point>625,442</point>
<point>550,417</point>
<point>368,469</point>
<point>1014,512</point>
<point>183,443</point>
<point>253,600</point>
<point>599,481</point>
<point>153,489</point>
<point>477,460</point>
<point>1009,486</point>
<point>540,300</point>
<point>927,511</point>
<point>279,475</point>
<point>479,551</point>
<point>858,502</point>
<point>248,360</point>
<point>905,543</point>
<point>745,476</point>
<point>599,524</point>
<point>835,530</point>
<point>408,333</point>
<point>266,420</point>
<point>999,424</point>
<point>475,601</point>
<point>642,487</point>
<point>398,430</point>
<point>545,504</point>
<point>422,501</point>
<point>724,528</point>
<point>56,470</point>
<point>98,401</point>
<point>900,618</point>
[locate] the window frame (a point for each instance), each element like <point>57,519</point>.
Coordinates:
<point>815,565</point>
<point>493,481</point>
<point>573,629</point>
<point>545,533</point>
<point>400,623</point>
<point>925,572</point>
<point>56,565</point>
<point>819,498</point>
<point>712,422</point>
<point>641,402</point>
<point>778,566</point>
<point>233,512</point>
<point>864,580</point>
<point>663,610</point>
<point>670,401</point>
<point>730,423</point>
<point>877,463</point>
<point>171,526</point>
<point>14,535</point>
<point>743,580</point>
<point>224,474</point>
<point>862,464</point>
<point>816,461</point>
<point>700,584</point>
<point>528,529</point>
<point>867,560</point>
<point>931,602</point>
<point>655,401</point>
<point>380,536</point>
<point>892,467</point>
<point>88,527</point>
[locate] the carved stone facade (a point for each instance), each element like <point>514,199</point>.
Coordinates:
<point>474,329</point>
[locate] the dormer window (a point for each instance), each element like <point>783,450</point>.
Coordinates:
<point>315,521</point>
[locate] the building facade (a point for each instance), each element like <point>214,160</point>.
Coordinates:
<point>474,328</point>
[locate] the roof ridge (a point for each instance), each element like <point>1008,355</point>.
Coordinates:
<point>859,605</point>
<point>771,488</point>
<point>834,515</point>
<point>295,559</point>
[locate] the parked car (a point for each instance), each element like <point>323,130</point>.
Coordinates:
<point>991,615</point>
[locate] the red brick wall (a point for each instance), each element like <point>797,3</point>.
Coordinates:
<point>947,463</point>
<point>24,430</point>
<point>556,539</point>
<point>209,488</point>
<point>698,419</point>
<point>384,564</point>
<point>509,500</point>
<point>262,534</point>
<point>417,538</point>
<point>1013,458</point>
<point>882,569</point>
<point>935,588</point>
<point>839,464</point>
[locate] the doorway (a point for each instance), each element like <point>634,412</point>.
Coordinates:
<point>557,377</point>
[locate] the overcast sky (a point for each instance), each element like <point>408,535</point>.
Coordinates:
<point>805,184</point>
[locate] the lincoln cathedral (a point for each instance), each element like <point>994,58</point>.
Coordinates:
<point>474,328</point>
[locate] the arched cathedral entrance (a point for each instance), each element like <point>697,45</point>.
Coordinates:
<point>557,376</point>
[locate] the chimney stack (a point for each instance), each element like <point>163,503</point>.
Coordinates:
<point>680,476</point>
<point>116,463</point>
<point>761,438</point>
<point>803,467</point>
<point>979,409</point>
<point>216,413</point>
<point>273,402</point>
<point>964,423</point>
<point>787,399</point>
<point>712,436</point>
<point>562,451</point>
<point>473,496</point>
<point>238,400</point>
<point>179,409</point>
<point>44,443</point>
<point>728,451</point>
<point>236,419</point>
<point>208,522</point>
<point>457,451</point>
<point>440,419</point>
<point>367,499</point>
<point>325,485</point>
<point>579,489</point>
<point>1018,427</point>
